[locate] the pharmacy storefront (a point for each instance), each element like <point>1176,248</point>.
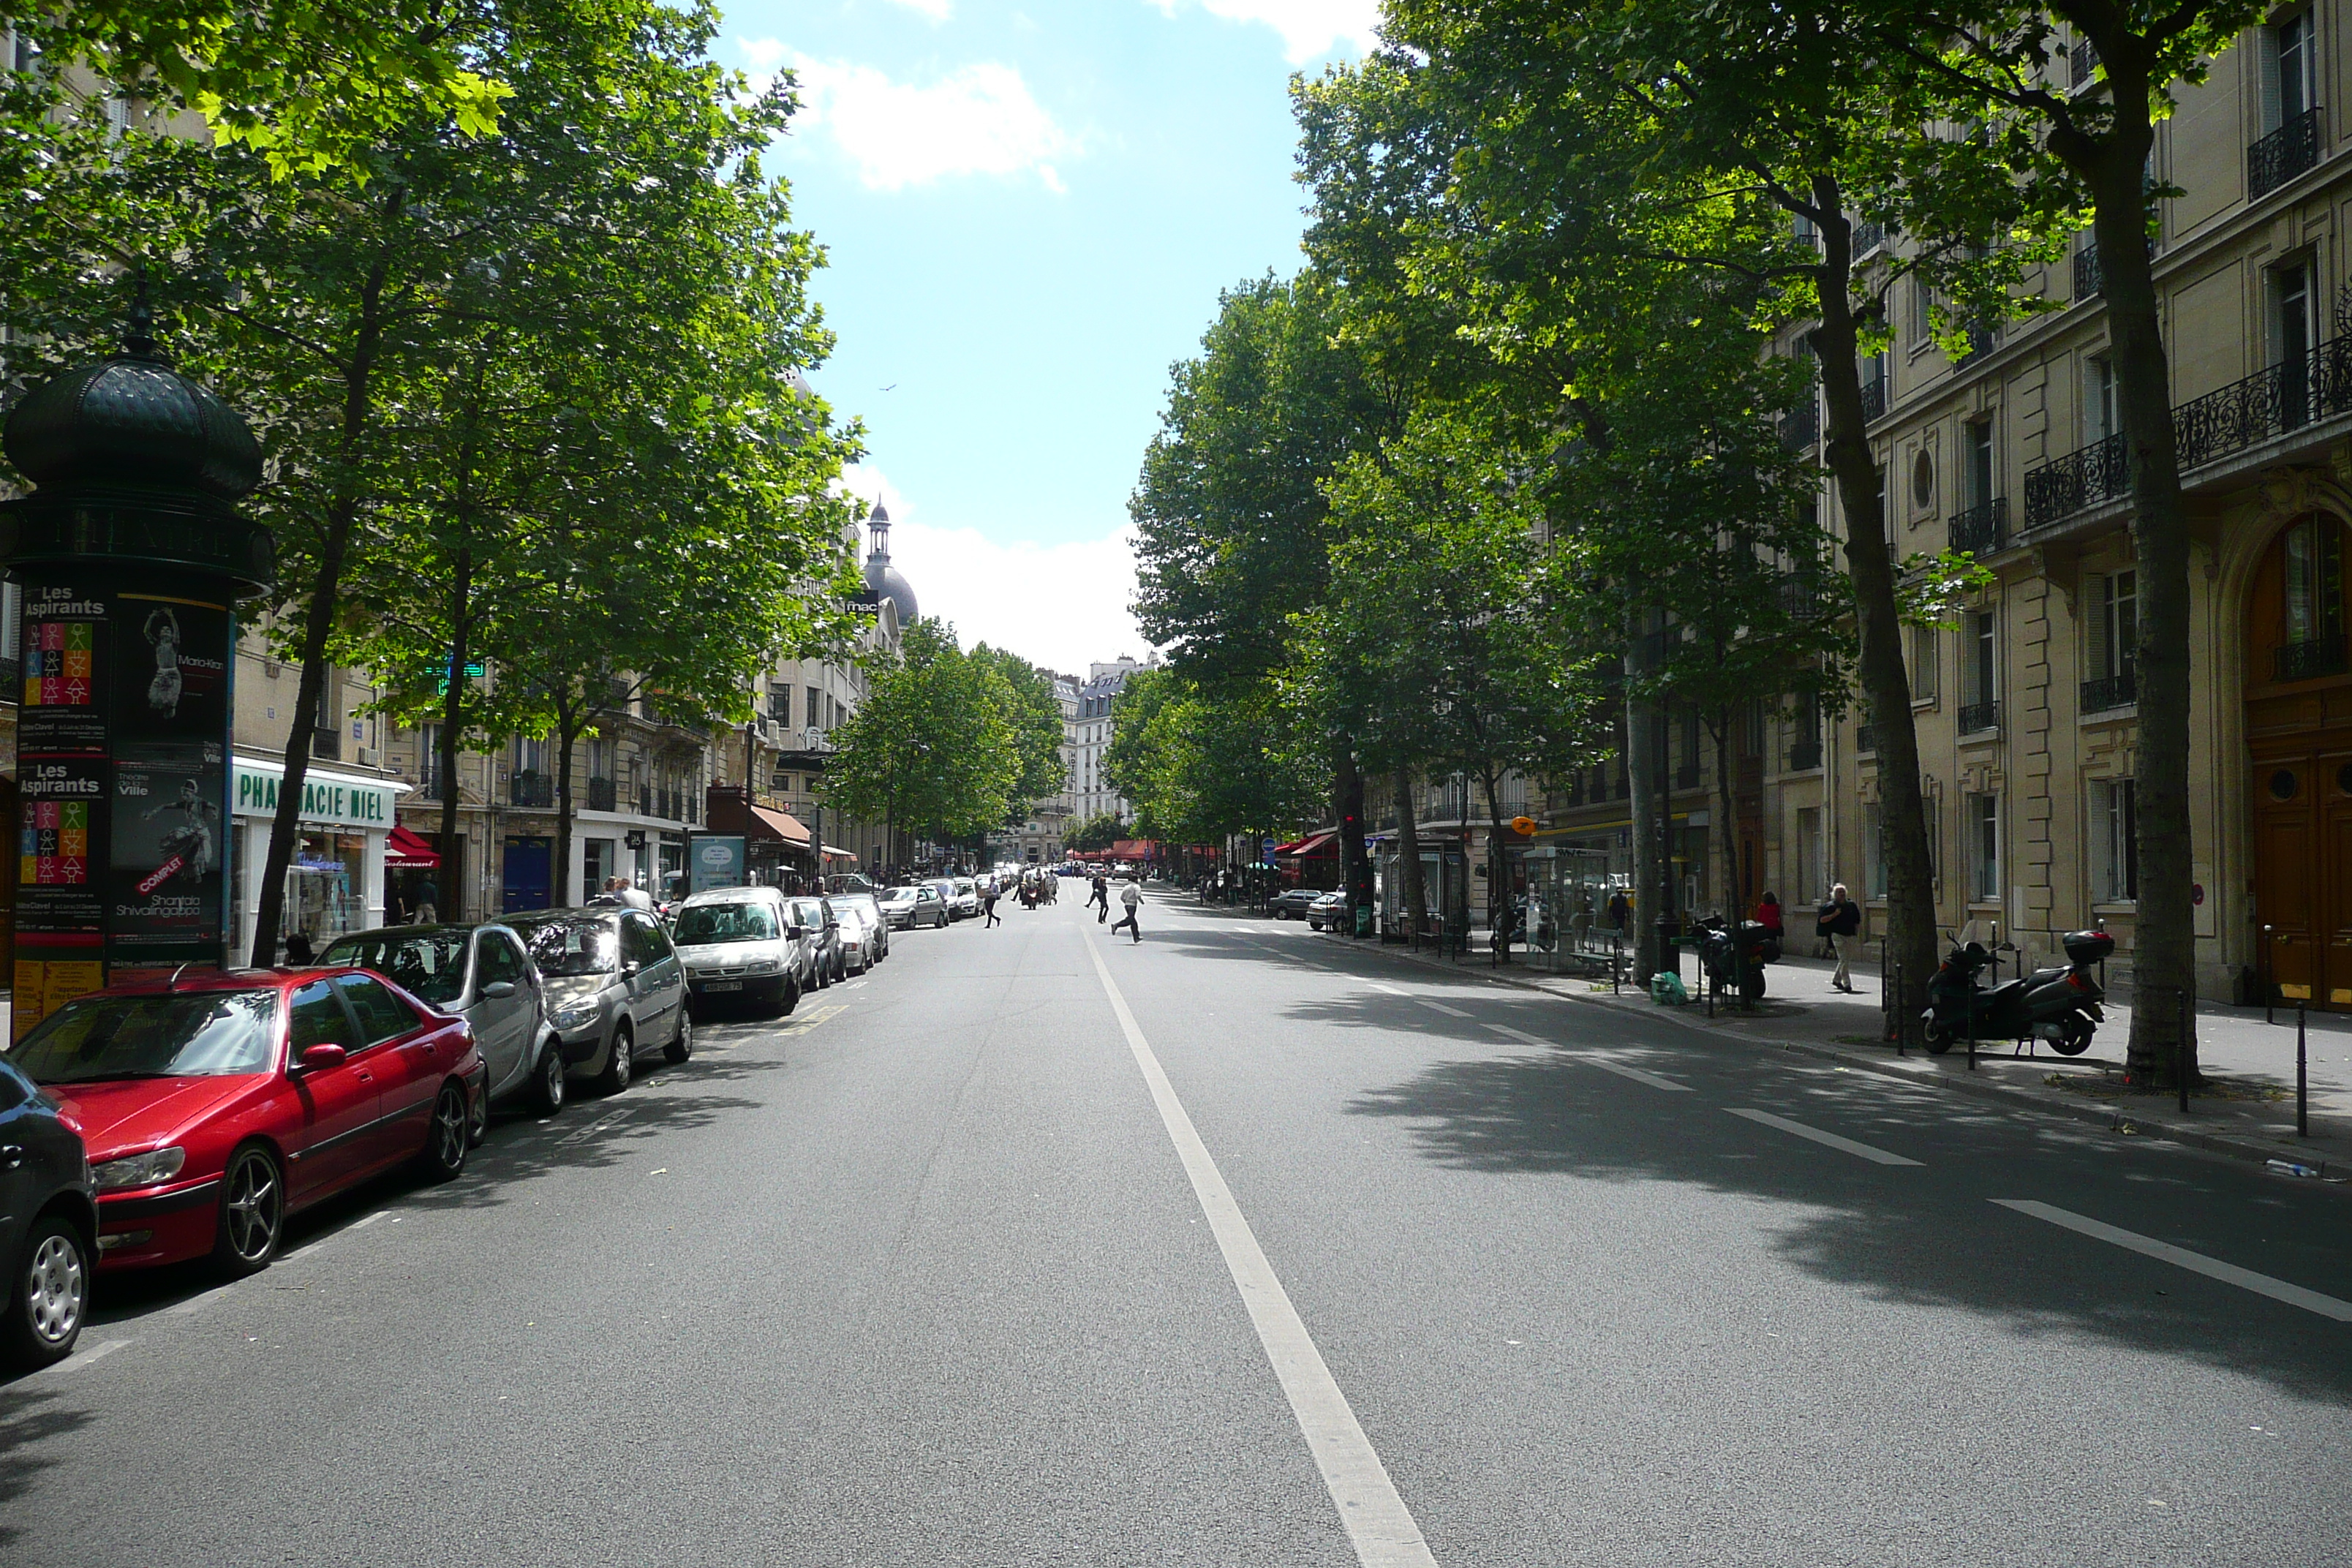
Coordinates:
<point>335,881</point>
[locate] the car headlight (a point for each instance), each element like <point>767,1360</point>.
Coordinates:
<point>139,1170</point>
<point>574,1017</point>
<point>763,966</point>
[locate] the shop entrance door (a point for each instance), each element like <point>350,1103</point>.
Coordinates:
<point>2302,873</point>
<point>529,880</point>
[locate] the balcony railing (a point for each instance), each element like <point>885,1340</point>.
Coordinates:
<point>1802,600</point>
<point>1803,754</point>
<point>1867,236</point>
<point>1800,428</point>
<point>1873,398</point>
<point>2068,484</point>
<point>532,788</point>
<point>2309,659</point>
<point>602,794</point>
<point>1982,529</point>
<point>1865,738</point>
<point>2082,60</point>
<point>2282,154</point>
<point>2110,691</point>
<point>2089,282</point>
<point>1978,717</point>
<point>2269,402</point>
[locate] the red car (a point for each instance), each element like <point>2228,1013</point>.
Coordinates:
<point>214,1106</point>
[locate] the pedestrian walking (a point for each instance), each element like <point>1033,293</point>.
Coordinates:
<point>1840,919</point>
<point>428,903</point>
<point>1131,897</point>
<point>1099,900</point>
<point>989,903</point>
<point>1768,915</point>
<point>1621,910</point>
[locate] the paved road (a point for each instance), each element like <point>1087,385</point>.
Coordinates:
<point>1308,1260</point>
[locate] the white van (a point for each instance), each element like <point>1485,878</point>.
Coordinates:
<point>738,944</point>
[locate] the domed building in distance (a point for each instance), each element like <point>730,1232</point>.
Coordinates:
<point>884,581</point>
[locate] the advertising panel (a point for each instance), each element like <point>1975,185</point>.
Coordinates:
<point>715,860</point>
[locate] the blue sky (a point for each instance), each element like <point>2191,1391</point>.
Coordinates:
<point>1029,210</point>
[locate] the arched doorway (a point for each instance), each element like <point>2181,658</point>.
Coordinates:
<point>2299,736</point>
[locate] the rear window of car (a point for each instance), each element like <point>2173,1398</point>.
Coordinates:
<point>431,964</point>
<point>195,1033</point>
<point>573,947</point>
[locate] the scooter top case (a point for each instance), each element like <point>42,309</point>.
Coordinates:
<point>2087,947</point>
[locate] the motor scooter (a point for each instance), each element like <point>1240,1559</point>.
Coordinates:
<point>2058,1004</point>
<point>1712,937</point>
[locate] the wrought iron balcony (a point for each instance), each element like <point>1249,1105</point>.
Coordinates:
<point>1982,529</point>
<point>2090,282</point>
<point>1867,236</point>
<point>1805,754</point>
<point>2082,61</point>
<point>2269,402</point>
<point>1873,398</point>
<point>2068,484</point>
<point>1865,738</point>
<point>1978,717</point>
<point>532,788</point>
<point>1802,600</point>
<point>602,794</point>
<point>1801,426</point>
<point>2110,691</point>
<point>2282,154</point>
<point>2309,659</point>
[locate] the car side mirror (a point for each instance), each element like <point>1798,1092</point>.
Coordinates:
<point>797,933</point>
<point>317,1058</point>
<point>498,990</point>
<point>629,968</point>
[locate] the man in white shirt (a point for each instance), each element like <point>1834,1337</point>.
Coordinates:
<point>1131,897</point>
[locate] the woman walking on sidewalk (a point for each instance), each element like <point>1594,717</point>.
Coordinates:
<point>1841,922</point>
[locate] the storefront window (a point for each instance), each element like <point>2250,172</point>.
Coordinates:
<point>326,885</point>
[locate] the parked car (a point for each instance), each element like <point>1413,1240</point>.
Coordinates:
<point>482,974</point>
<point>615,989</point>
<point>1292,903</point>
<point>214,1107</point>
<point>820,943</point>
<point>860,937</point>
<point>48,1226</point>
<point>967,897</point>
<point>870,908</point>
<point>946,888</point>
<point>736,945</point>
<point>910,904</point>
<point>1330,912</point>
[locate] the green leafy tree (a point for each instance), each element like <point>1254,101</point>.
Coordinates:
<point>1034,713</point>
<point>931,751</point>
<point>1096,833</point>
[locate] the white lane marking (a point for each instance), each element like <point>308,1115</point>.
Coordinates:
<point>1440,1007</point>
<point>1378,1522</point>
<point>2181,1258</point>
<point>85,1354</point>
<point>1391,990</point>
<point>1594,1059</point>
<point>596,1127</point>
<point>1864,1151</point>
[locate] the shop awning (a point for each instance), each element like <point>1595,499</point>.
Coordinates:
<point>404,851</point>
<point>832,853</point>
<point>1311,844</point>
<point>773,825</point>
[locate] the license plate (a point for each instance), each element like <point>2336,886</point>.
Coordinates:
<point>722,985</point>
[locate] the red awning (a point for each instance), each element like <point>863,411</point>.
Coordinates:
<point>1313,844</point>
<point>404,851</point>
<point>783,824</point>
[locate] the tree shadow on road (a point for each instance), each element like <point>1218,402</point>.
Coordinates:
<point>31,1416</point>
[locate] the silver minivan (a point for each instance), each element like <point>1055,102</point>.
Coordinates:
<point>736,945</point>
<point>479,973</point>
<point>614,989</point>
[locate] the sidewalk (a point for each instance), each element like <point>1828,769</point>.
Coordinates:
<point>2245,1109</point>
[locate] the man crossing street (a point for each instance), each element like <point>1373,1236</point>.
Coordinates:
<point>1131,897</point>
<point>1101,898</point>
<point>988,901</point>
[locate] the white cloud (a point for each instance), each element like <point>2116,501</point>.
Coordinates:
<point>1061,605</point>
<point>978,118</point>
<point>1308,27</point>
<point>937,10</point>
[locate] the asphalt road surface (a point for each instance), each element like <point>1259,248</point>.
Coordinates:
<point>1234,1247</point>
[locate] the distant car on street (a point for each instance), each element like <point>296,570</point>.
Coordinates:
<point>48,1227</point>
<point>909,904</point>
<point>1292,903</point>
<point>820,938</point>
<point>869,910</point>
<point>860,937</point>
<point>967,897</point>
<point>615,989</point>
<point>736,945</point>
<point>482,974</point>
<point>1329,911</point>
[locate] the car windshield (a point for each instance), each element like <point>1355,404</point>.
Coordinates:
<point>194,1034</point>
<point>431,964</point>
<point>901,896</point>
<point>702,924</point>
<point>572,947</point>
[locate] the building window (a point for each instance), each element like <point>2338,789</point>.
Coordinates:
<point>2287,71</point>
<point>815,708</point>
<point>2313,582</point>
<point>1984,668</point>
<point>2098,399</point>
<point>2114,845</point>
<point>1975,469</point>
<point>1984,847</point>
<point>2291,342</point>
<point>1874,852</point>
<point>1923,664</point>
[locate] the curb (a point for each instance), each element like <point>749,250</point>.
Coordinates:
<point>2106,1116</point>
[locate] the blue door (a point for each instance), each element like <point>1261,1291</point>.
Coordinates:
<point>529,882</point>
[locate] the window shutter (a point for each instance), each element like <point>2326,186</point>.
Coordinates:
<point>2268,42</point>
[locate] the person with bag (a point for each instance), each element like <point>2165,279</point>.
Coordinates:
<point>1840,920</point>
<point>1131,896</point>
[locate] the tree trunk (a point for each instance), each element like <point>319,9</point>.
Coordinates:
<point>1411,894</point>
<point>1355,868</point>
<point>2164,938</point>
<point>1645,730</point>
<point>568,724</point>
<point>1886,685</point>
<point>451,881</point>
<point>1498,895</point>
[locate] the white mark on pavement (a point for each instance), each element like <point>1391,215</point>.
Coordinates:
<point>1863,1151</point>
<point>1594,1059</point>
<point>596,1127</point>
<point>2181,1258</point>
<point>1391,990</point>
<point>1378,1522</point>
<point>88,1353</point>
<point>1440,1007</point>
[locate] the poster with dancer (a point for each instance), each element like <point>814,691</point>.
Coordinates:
<point>164,880</point>
<point>171,664</point>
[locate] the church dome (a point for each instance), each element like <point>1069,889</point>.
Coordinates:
<point>884,581</point>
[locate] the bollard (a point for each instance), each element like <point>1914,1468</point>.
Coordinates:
<point>2270,991</point>
<point>1616,958</point>
<point>1972,1034</point>
<point>2180,1048</point>
<point>2301,1079</point>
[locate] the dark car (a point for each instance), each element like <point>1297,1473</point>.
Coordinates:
<point>1292,903</point>
<point>48,1226</point>
<point>482,974</point>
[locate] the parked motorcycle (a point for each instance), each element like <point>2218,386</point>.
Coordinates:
<point>1713,937</point>
<point>2058,1004</point>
